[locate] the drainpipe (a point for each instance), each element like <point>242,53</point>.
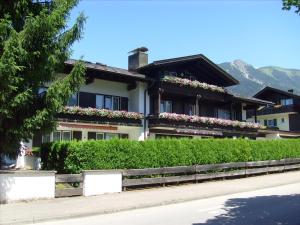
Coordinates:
<point>145,106</point>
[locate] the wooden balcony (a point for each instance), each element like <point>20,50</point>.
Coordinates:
<point>278,109</point>
<point>196,122</point>
<point>100,116</point>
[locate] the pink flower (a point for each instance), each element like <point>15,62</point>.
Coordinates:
<point>194,83</point>
<point>209,121</point>
<point>102,113</point>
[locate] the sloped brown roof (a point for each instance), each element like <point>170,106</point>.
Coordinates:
<point>230,80</point>
<point>104,68</point>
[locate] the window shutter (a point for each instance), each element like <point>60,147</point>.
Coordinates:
<point>275,122</point>
<point>91,135</point>
<point>265,122</point>
<point>124,103</point>
<point>87,100</point>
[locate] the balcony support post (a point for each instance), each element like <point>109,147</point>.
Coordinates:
<point>231,111</point>
<point>197,105</point>
<point>160,91</point>
<point>255,115</point>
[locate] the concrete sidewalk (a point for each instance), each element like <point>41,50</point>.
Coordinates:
<point>44,210</point>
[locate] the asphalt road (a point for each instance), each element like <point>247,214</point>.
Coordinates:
<point>278,205</point>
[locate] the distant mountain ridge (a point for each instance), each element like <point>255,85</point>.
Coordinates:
<point>253,80</point>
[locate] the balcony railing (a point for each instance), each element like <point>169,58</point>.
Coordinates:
<point>278,109</point>
<point>100,115</point>
<point>192,83</point>
<point>173,119</point>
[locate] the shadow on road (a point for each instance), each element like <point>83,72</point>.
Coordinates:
<point>262,210</point>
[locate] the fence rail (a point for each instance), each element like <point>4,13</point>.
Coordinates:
<point>68,191</point>
<point>167,175</point>
<point>161,176</point>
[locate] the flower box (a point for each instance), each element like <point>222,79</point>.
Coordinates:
<point>100,115</point>
<point>193,84</point>
<point>183,119</point>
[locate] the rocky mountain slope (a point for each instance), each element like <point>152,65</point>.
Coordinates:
<point>252,80</point>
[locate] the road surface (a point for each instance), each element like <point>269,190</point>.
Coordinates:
<point>278,205</point>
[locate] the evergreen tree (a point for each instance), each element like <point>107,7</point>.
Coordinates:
<point>34,43</point>
<point>288,4</point>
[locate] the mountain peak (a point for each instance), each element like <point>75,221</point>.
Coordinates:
<point>239,63</point>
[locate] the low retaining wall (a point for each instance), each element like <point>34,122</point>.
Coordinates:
<point>26,185</point>
<point>97,182</point>
<point>30,185</point>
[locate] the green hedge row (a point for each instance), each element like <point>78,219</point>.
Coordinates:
<point>72,157</point>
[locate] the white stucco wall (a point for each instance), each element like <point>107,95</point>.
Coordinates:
<point>28,162</point>
<point>26,185</point>
<point>281,125</point>
<point>106,87</point>
<point>101,182</point>
<point>134,132</point>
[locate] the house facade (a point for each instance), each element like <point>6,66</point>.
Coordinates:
<point>284,114</point>
<point>179,97</point>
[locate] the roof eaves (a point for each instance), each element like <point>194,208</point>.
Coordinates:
<point>276,90</point>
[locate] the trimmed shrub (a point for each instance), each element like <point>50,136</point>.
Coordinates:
<point>74,156</point>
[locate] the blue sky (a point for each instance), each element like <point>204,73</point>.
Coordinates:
<point>256,31</point>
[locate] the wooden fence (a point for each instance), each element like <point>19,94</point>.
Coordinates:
<point>169,175</point>
<point>133,178</point>
<point>68,182</point>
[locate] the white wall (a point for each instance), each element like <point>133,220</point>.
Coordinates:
<point>281,125</point>
<point>106,87</point>
<point>26,185</point>
<point>134,132</point>
<point>101,182</point>
<point>135,96</point>
<point>28,162</point>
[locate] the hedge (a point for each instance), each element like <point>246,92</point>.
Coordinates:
<point>72,157</point>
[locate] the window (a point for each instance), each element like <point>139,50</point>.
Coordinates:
<point>190,109</point>
<point>66,136</point>
<point>282,120</point>
<point>46,138</point>
<point>124,136</point>
<point>223,113</point>
<point>286,101</point>
<point>99,136</point>
<point>73,101</point>
<point>56,136</point>
<point>77,135</point>
<point>109,136</point>
<point>99,101</point>
<point>108,102</point>
<point>272,123</point>
<point>165,106</point>
<point>116,103</point>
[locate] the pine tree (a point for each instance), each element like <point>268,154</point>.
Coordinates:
<point>35,42</point>
<point>289,4</point>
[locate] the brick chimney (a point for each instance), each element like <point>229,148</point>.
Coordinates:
<point>291,90</point>
<point>137,58</point>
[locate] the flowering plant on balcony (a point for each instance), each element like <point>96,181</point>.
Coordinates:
<point>113,114</point>
<point>193,83</point>
<point>209,121</point>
